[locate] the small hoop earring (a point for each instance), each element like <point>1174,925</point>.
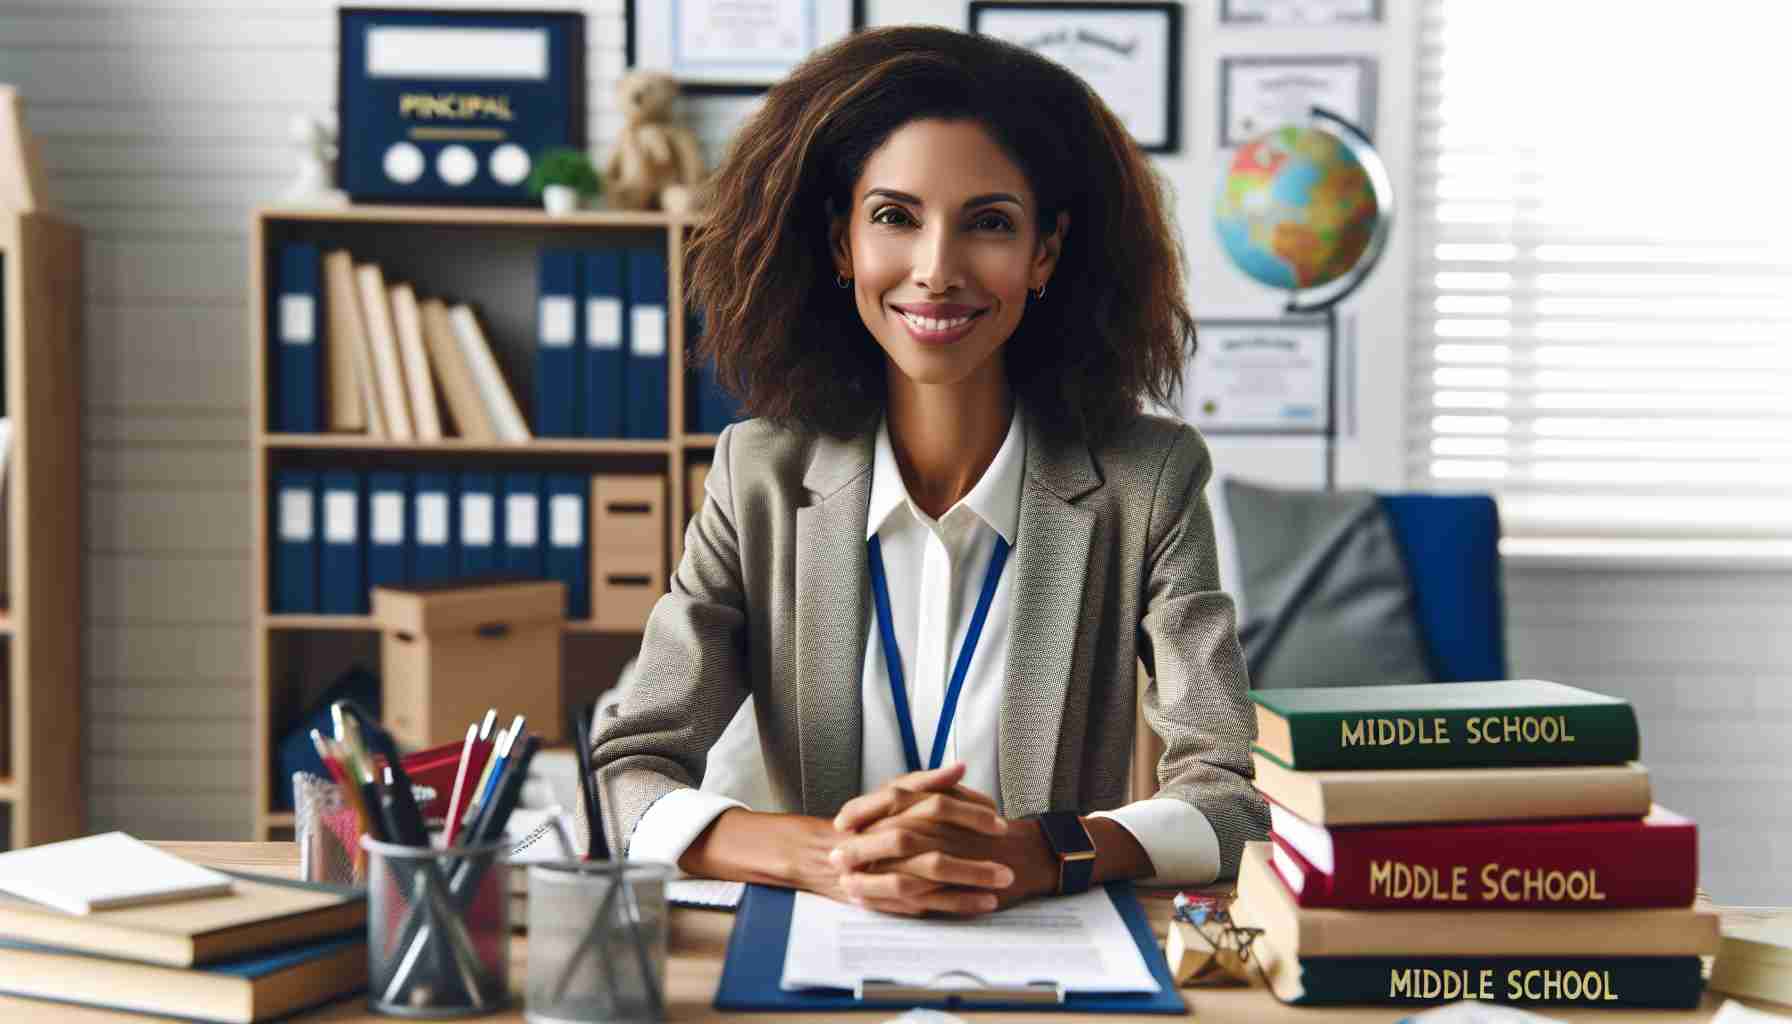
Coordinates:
<point>842,282</point>
<point>1040,294</point>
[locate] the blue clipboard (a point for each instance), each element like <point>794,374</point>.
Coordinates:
<point>755,964</point>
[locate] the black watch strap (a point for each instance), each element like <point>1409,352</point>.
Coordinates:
<point>1068,838</point>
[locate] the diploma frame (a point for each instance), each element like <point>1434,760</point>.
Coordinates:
<point>646,23</point>
<point>1271,12</point>
<point>1312,337</point>
<point>1157,138</point>
<point>1362,67</point>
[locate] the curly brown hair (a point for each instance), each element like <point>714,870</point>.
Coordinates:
<point>1114,327</point>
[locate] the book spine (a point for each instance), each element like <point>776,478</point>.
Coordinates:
<point>1556,981</point>
<point>1465,737</point>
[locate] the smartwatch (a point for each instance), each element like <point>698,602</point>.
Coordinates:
<point>1070,841</point>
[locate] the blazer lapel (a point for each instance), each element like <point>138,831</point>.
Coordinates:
<point>831,621</point>
<point>1051,565</point>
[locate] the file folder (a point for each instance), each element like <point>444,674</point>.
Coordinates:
<point>342,566</point>
<point>558,348</point>
<point>295,544</point>
<point>568,551</point>
<point>388,553</point>
<point>297,316</point>
<point>522,526</point>
<point>479,526</point>
<point>754,967</point>
<point>435,555</point>
<point>604,342</point>
<point>645,381</point>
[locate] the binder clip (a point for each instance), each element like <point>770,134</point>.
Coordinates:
<point>942,990</point>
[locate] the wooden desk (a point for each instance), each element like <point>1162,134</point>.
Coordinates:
<point>695,965</point>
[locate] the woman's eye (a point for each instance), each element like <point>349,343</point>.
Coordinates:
<point>994,222</point>
<point>890,215</point>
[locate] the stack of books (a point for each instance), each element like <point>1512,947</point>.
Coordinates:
<point>1489,841</point>
<point>110,922</point>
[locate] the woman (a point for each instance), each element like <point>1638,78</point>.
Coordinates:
<point>941,275</point>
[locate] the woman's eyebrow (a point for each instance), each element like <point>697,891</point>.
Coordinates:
<point>988,197</point>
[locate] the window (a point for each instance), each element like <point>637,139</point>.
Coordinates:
<point>1602,309</point>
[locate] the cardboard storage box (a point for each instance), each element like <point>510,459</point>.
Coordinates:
<point>628,550</point>
<point>447,653</point>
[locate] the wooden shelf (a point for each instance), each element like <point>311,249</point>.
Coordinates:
<point>456,216</point>
<point>9,791</point>
<point>539,446</point>
<point>699,440</point>
<point>367,623</point>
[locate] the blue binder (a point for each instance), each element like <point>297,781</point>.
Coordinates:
<point>644,377</point>
<point>295,543</point>
<point>568,554</point>
<point>297,319</point>
<point>342,568</point>
<point>388,550</point>
<point>480,524</point>
<point>755,965</point>
<point>435,555</point>
<point>559,377</point>
<point>605,338</point>
<point>522,525</point>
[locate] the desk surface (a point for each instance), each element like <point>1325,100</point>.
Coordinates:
<point>700,936</point>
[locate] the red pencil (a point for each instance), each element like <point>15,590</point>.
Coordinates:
<point>452,826</point>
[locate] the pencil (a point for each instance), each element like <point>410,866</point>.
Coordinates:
<point>452,826</point>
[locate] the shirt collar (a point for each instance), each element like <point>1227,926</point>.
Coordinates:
<point>995,498</point>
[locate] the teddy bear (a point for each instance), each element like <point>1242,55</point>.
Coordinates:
<point>656,164</point>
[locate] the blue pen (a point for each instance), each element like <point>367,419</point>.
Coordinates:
<point>499,757</point>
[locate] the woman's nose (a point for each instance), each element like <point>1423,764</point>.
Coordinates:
<point>937,264</point>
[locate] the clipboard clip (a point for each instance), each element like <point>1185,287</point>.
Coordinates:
<point>943,990</point>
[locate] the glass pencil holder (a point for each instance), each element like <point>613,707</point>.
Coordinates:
<point>438,929</point>
<point>597,942</point>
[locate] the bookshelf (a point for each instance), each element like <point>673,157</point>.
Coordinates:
<point>487,257</point>
<point>40,627</point>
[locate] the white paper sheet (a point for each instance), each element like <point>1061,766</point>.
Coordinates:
<point>1078,941</point>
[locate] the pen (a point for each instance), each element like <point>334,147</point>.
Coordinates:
<point>404,826</point>
<point>595,847</point>
<point>474,798</point>
<point>503,756</point>
<point>451,826</point>
<point>406,818</point>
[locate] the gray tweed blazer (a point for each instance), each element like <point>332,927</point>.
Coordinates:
<point>1114,564</point>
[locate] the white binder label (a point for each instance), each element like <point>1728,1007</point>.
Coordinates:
<point>339,517</point>
<point>476,520</point>
<point>566,526</point>
<point>432,519</point>
<point>603,323</point>
<point>298,319</point>
<point>519,521</point>
<point>556,314</point>
<point>295,514</point>
<point>388,518</point>
<point>649,334</point>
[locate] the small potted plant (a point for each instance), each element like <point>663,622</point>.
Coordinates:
<point>562,176</point>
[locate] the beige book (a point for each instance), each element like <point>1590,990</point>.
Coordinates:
<point>351,406</point>
<point>1410,795</point>
<point>494,390</point>
<point>382,341</point>
<point>422,390</point>
<point>459,389</point>
<point>1755,957</point>
<point>1264,902</point>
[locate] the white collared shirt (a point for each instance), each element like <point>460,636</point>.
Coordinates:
<point>935,570</point>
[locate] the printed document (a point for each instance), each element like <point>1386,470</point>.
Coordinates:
<point>1078,941</point>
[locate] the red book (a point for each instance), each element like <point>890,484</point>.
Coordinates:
<point>1584,864</point>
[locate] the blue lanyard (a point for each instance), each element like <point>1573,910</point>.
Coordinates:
<point>880,593</point>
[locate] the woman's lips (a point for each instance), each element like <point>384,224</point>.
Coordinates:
<point>938,330</point>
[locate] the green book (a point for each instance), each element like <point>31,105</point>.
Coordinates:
<point>1444,725</point>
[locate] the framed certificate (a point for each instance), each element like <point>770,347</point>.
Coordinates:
<point>731,46</point>
<point>1299,12</point>
<point>1259,93</point>
<point>1261,377</point>
<point>1129,53</point>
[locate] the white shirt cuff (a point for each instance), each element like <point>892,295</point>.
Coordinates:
<point>1176,836</point>
<point>674,822</point>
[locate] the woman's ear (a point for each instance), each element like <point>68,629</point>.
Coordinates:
<point>839,245</point>
<point>1051,246</point>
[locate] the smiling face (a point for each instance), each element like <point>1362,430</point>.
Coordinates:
<point>942,243</point>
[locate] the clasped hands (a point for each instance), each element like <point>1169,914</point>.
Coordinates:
<point>922,843</point>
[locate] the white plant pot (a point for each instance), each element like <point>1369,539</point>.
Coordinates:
<point>559,199</point>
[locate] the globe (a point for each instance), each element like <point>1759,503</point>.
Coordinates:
<point>1305,206</point>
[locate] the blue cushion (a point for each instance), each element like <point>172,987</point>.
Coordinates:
<point>1451,544</point>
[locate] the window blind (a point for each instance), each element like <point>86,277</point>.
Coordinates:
<point>1602,310</point>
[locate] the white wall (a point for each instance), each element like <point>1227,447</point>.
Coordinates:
<point>164,121</point>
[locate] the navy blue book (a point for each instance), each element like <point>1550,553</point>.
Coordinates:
<point>435,553</point>
<point>479,526</point>
<point>522,525</point>
<point>605,341</point>
<point>295,541</point>
<point>559,351</point>
<point>388,539</point>
<point>342,566</point>
<point>297,330</point>
<point>644,374</point>
<point>568,554</point>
